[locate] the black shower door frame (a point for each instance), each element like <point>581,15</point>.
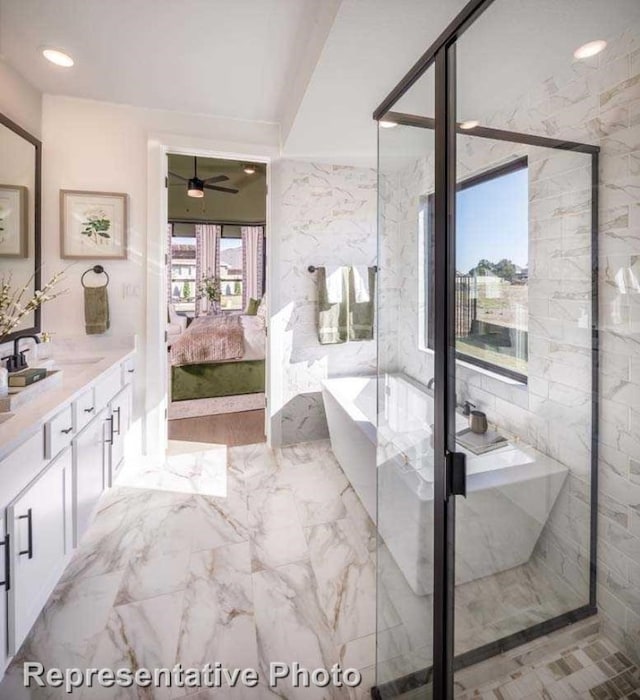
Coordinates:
<point>449,472</point>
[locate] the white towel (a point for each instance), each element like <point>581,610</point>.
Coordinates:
<point>361,284</point>
<point>334,284</point>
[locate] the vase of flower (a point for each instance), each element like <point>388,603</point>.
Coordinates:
<point>14,306</point>
<point>209,288</point>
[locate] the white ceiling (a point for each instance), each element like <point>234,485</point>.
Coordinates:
<point>514,45</point>
<point>318,67</point>
<point>231,58</point>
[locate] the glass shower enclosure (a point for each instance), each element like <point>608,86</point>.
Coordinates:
<point>488,362</point>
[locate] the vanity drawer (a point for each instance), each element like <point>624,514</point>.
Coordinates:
<point>107,388</point>
<point>128,370</point>
<point>85,409</point>
<point>58,432</point>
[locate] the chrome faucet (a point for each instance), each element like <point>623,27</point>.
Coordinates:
<point>466,408</point>
<point>18,361</point>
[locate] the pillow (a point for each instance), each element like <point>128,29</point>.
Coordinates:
<point>252,307</point>
<point>261,313</point>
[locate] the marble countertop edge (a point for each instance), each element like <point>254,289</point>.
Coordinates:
<point>30,418</point>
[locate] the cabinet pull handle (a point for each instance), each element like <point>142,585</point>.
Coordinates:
<point>66,431</point>
<point>7,564</point>
<point>29,519</point>
<point>109,439</point>
<point>91,409</point>
<point>131,371</point>
<point>117,410</point>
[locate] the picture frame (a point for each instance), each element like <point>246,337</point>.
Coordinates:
<point>93,225</point>
<point>14,228</point>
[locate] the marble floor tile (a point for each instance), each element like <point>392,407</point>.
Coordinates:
<point>346,579</point>
<point>272,509</point>
<point>217,621</point>
<point>143,634</point>
<point>360,518</point>
<point>273,548</point>
<point>318,488</point>
<point>271,556</point>
<point>147,577</point>
<point>304,453</point>
<point>291,626</point>
<point>69,628</point>
<point>215,522</point>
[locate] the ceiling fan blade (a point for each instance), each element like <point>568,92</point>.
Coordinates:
<point>184,179</point>
<point>214,179</point>
<point>229,190</point>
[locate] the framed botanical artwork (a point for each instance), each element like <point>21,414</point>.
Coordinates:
<point>93,225</point>
<point>13,221</point>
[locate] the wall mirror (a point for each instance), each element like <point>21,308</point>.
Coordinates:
<point>20,173</point>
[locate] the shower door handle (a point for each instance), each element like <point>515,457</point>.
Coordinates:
<point>457,470</point>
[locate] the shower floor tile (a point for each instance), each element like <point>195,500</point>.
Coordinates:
<point>590,669</point>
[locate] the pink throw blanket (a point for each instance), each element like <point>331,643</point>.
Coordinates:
<point>209,339</point>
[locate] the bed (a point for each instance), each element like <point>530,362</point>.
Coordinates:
<point>219,356</point>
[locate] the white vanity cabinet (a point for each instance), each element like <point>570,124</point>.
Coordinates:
<point>39,523</point>
<point>90,465</point>
<point>120,407</point>
<point>5,585</point>
<point>51,479</point>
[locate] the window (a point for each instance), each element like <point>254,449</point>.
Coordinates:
<point>492,253</point>
<point>231,273</point>
<point>183,274</point>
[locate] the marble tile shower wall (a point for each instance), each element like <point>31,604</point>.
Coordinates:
<point>595,102</point>
<point>323,215</point>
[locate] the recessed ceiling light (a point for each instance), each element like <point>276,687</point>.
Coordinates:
<point>249,169</point>
<point>470,124</point>
<point>58,57</point>
<point>592,48</point>
<point>386,124</point>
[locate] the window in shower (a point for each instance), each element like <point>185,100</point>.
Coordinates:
<point>492,270</point>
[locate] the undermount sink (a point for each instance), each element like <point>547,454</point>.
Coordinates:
<point>20,395</point>
<point>91,360</point>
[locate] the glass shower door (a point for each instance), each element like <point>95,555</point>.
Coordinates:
<point>526,354</point>
<point>405,397</point>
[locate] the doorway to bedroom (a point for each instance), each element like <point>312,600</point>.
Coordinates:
<point>216,307</point>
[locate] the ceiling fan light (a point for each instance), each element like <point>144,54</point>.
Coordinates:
<point>195,188</point>
<point>249,169</point>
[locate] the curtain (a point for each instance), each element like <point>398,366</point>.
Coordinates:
<point>168,259</point>
<point>252,262</point>
<point>207,255</point>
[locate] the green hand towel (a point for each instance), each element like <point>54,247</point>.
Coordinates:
<point>96,310</point>
<point>332,318</point>
<point>362,315</point>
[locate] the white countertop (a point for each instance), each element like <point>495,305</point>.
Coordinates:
<point>29,418</point>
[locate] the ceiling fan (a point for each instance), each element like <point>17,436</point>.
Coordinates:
<point>196,186</point>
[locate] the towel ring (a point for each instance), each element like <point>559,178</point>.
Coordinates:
<point>99,270</point>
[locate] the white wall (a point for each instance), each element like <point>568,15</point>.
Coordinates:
<point>19,100</point>
<point>90,145</point>
<point>322,215</point>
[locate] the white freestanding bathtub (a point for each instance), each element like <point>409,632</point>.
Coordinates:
<point>510,491</point>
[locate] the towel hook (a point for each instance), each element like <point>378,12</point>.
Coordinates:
<point>98,270</point>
